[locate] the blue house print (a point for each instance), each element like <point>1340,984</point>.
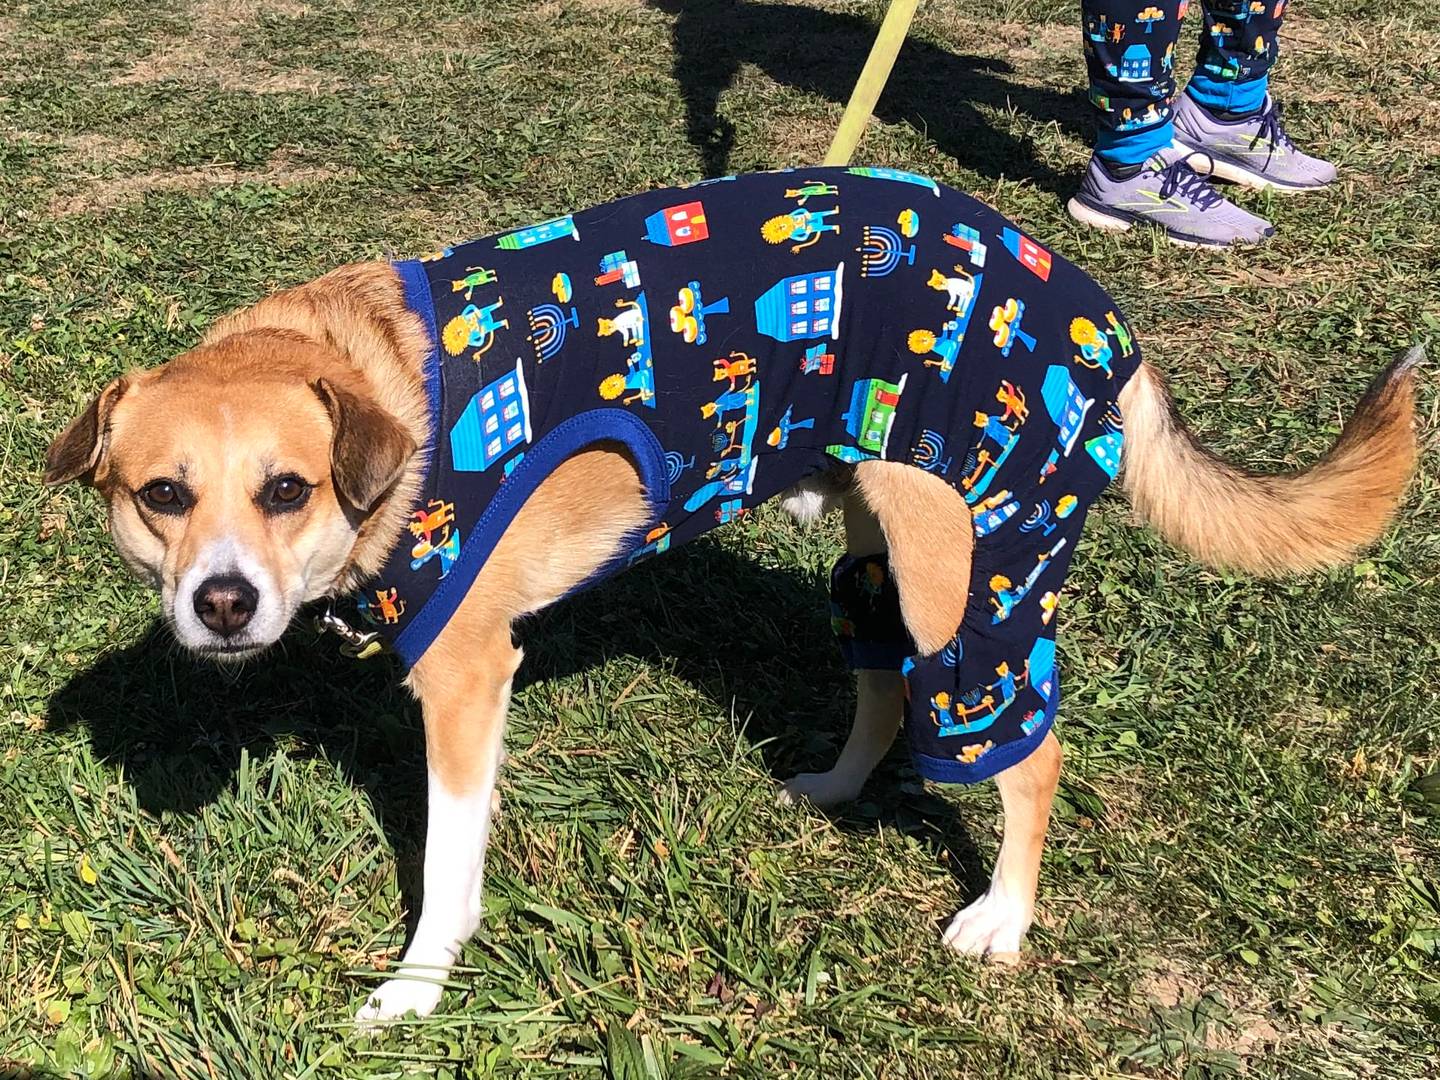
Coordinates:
<point>495,422</point>
<point>1106,449</point>
<point>1135,63</point>
<point>1066,405</point>
<point>803,306</point>
<point>554,229</point>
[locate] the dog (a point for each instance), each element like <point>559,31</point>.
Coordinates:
<point>292,454</point>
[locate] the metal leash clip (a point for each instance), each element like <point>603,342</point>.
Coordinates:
<point>359,644</point>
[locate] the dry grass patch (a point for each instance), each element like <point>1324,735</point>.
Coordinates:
<point>85,150</point>
<point>99,195</point>
<point>1241,1026</point>
<point>1024,41</point>
<point>805,138</point>
<point>1405,105</point>
<point>211,53</point>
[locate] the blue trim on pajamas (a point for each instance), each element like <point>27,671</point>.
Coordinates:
<point>1234,97</point>
<point>1133,147</point>
<point>570,437</point>
<point>418,297</point>
<point>996,760</point>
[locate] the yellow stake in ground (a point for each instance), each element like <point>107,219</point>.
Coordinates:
<point>872,80</point>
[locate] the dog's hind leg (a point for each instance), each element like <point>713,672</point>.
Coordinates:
<point>995,924</point>
<point>879,696</point>
<point>928,533</point>
<point>925,528</point>
<point>879,701</point>
<point>930,536</point>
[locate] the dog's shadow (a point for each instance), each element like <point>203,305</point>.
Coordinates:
<point>753,640</point>
<point>821,52</point>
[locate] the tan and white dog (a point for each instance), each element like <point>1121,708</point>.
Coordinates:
<point>278,461</point>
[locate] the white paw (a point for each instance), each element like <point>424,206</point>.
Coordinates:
<point>817,788</point>
<point>992,926</point>
<point>395,998</point>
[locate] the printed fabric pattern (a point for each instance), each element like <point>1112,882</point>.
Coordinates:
<point>744,333</point>
<point>1130,58</point>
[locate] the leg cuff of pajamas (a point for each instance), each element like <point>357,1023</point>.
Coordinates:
<point>1132,147</point>
<point>997,760</point>
<point>865,614</point>
<point>874,655</point>
<point>1235,97</point>
<point>974,709</point>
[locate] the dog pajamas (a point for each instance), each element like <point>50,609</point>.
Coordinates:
<point>743,334</point>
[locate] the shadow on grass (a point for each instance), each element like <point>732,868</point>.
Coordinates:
<point>822,52</point>
<point>754,640</point>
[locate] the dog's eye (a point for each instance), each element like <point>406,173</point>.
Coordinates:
<point>285,493</point>
<point>287,489</point>
<point>165,496</point>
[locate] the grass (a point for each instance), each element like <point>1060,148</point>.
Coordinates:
<point>201,873</point>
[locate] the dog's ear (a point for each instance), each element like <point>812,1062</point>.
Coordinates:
<point>369,448</point>
<point>78,451</point>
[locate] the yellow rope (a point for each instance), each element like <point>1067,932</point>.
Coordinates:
<point>872,80</point>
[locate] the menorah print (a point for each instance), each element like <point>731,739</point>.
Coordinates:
<point>547,329</point>
<point>882,250</point>
<point>675,465</point>
<point>929,452</point>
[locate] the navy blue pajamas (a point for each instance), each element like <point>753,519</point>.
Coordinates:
<point>745,333</point>
<point>1130,56</point>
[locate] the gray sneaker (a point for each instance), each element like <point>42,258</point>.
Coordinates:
<point>1170,194</point>
<point>1254,150</point>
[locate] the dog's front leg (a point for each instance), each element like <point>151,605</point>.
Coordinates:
<point>464,699</point>
<point>574,523</point>
<point>995,924</point>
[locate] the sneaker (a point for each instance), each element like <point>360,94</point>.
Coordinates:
<point>1252,150</point>
<point>1169,193</point>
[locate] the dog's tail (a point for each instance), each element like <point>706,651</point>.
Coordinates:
<point>1270,524</point>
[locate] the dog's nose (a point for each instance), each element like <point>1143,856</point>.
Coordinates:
<point>225,603</point>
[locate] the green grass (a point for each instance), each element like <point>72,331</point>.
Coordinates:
<point>202,873</point>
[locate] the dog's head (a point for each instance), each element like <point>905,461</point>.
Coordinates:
<point>238,477</point>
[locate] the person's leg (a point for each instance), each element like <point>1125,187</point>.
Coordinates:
<point>1137,174</point>
<point>1238,45</point>
<point>1129,57</point>
<point>1227,112</point>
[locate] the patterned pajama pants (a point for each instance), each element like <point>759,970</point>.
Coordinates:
<point>1130,56</point>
